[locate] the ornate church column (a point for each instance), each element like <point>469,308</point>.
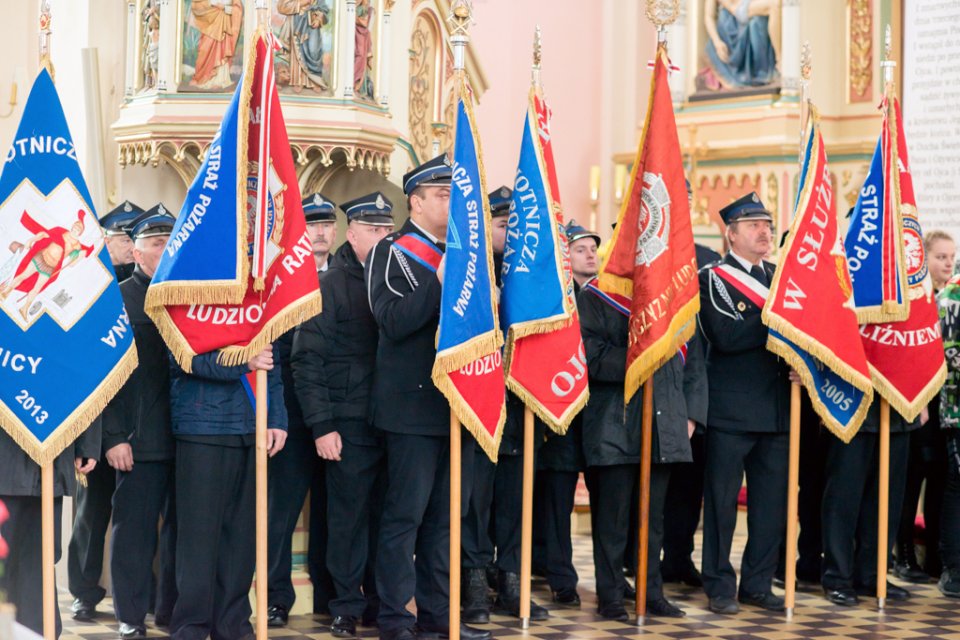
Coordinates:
<point>130,80</point>
<point>169,56</point>
<point>383,60</point>
<point>348,48</point>
<point>790,48</point>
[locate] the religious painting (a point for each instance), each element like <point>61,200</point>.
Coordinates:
<point>148,32</point>
<point>740,47</point>
<point>211,48</point>
<point>306,31</point>
<point>363,53</point>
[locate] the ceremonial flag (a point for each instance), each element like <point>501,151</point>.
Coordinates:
<point>651,259</point>
<point>238,270</point>
<point>545,360</point>
<point>65,341</point>
<point>469,366</point>
<point>809,310</point>
<point>906,358</point>
<point>875,253</point>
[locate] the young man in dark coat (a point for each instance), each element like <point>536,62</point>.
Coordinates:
<point>611,442</point>
<point>138,443</point>
<point>334,356</point>
<point>404,274</point>
<point>748,416</point>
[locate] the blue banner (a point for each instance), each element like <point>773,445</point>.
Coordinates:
<point>66,345</point>
<point>533,288</point>
<point>466,307</point>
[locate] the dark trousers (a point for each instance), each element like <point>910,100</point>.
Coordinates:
<point>143,496</point>
<point>413,555</point>
<point>556,495</point>
<point>681,513</point>
<point>22,576</point>
<point>950,522</point>
<point>475,539</point>
<point>763,456</point>
<point>216,548</point>
<point>850,499</point>
<point>354,501</point>
<point>921,467</point>
<point>90,521</point>
<point>508,511</point>
<point>294,471</point>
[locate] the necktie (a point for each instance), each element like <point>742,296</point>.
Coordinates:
<point>760,274</point>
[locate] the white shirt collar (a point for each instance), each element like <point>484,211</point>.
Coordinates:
<point>429,235</point>
<point>746,264</point>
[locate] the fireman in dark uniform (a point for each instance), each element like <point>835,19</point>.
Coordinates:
<point>748,415</point>
<point>117,227</point>
<point>334,355</point>
<point>404,275</point>
<point>297,468</point>
<point>138,443</point>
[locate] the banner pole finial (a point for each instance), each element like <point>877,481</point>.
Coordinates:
<point>45,35</point>
<point>888,64</point>
<point>662,13</point>
<point>537,55</point>
<point>263,13</point>
<point>806,70</point>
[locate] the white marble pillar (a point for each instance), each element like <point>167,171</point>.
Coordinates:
<point>169,56</point>
<point>130,80</point>
<point>384,58</point>
<point>790,48</point>
<point>348,41</point>
<point>677,48</point>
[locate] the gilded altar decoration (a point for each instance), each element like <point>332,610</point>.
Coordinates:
<point>306,31</point>
<point>742,47</point>
<point>363,53</point>
<point>149,44</point>
<point>424,64</point>
<point>212,45</point>
<point>860,50</point>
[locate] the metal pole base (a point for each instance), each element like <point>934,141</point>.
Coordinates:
<point>881,603</point>
<point>640,620</point>
<point>524,623</point>
<point>789,614</point>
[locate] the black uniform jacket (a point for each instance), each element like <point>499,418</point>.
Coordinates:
<point>749,386</point>
<point>20,475</point>
<point>140,412</point>
<point>404,295</point>
<point>334,354</point>
<point>898,424</point>
<point>611,434</point>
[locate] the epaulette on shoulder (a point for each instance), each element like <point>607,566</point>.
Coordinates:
<point>710,266</point>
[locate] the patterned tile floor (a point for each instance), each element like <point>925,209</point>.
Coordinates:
<point>926,615</point>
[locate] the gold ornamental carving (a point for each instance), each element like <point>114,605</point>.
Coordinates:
<point>424,53</point>
<point>860,47</point>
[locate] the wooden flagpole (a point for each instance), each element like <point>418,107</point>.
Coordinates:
<point>263,16</point>
<point>461,13</point>
<point>883,544</point>
<point>47,554</point>
<point>793,469</point>
<point>47,533</point>
<point>526,526</point>
<point>646,441</point>
<point>883,515</point>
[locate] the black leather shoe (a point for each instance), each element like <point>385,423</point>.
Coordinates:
<point>629,592</point>
<point>613,611</point>
<point>842,597</point>
<point>664,609</point>
<point>724,605</point>
<point>83,611</point>
<point>894,592</point>
<point>476,604</point>
<point>131,631</point>
<point>508,598</point>
<point>567,597</point>
<point>949,584</point>
<point>690,576</point>
<point>398,634</point>
<point>911,572</point>
<point>277,616</point>
<point>466,632</point>
<point>766,601</point>
<point>161,621</point>
<point>344,627</point>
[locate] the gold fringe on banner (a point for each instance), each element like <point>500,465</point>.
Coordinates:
<point>78,421</point>
<point>558,424</point>
<point>681,329</point>
<point>907,408</point>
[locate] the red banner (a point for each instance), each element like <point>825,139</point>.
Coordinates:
<point>651,257</point>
